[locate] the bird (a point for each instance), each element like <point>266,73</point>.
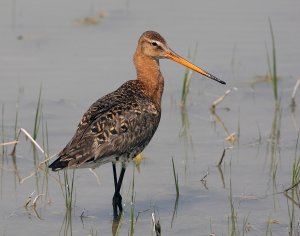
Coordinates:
<point>118,126</point>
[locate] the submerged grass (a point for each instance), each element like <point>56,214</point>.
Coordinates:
<point>117,225</point>
<point>233,220</point>
<point>293,195</point>
<point>273,145</point>
<point>40,171</point>
<point>67,226</point>
<point>67,188</point>
<point>92,232</point>
<point>296,172</point>
<point>186,136</point>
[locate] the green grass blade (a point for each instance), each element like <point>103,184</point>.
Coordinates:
<point>274,63</point>
<point>2,130</point>
<point>37,116</point>
<point>132,205</point>
<point>187,78</point>
<point>175,178</point>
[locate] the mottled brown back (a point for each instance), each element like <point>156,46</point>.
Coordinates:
<point>119,124</point>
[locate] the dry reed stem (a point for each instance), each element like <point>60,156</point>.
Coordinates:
<point>9,143</point>
<point>219,100</point>
<point>46,160</point>
<point>218,120</point>
<point>29,199</point>
<point>156,225</point>
<point>96,175</point>
<point>21,180</point>
<point>231,138</point>
<point>39,166</point>
<point>36,198</point>
<point>31,139</point>
<point>90,20</point>
<point>272,221</point>
<point>293,102</point>
<point>295,88</point>
<point>35,143</point>
<point>153,221</point>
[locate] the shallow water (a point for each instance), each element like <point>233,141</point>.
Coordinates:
<point>41,44</point>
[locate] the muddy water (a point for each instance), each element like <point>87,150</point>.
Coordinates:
<point>48,44</point>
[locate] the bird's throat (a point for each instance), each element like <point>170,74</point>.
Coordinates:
<point>148,72</point>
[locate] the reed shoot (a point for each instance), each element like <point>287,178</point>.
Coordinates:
<point>273,64</point>
<point>68,189</point>
<point>37,116</point>
<point>187,79</point>
<point>175,178</point>
<point>132,206</point>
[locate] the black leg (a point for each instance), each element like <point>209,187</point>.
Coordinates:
<point>117,198</point>
<point>116,183</point>
<point>115,175</point>
<point>120,179</point>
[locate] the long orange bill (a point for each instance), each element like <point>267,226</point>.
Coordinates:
<point>173,56</point>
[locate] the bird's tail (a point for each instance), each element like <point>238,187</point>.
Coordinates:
<point>58,164</point>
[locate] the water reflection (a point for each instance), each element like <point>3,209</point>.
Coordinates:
<point>293,106</point>
<point>221,176</point>
<point>66,227</point>
<point>231,137</point>
<point>273,147</point>
<point>115,225</point>
<point>185,135</point>
<point>41,171</point>
<point>175,209</point>
<point>31,206</point>
<point>220,166</point>
<point>204,180</point>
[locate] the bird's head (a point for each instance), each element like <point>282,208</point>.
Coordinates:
<point>152,44</point>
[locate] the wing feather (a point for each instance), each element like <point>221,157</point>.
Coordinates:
<point>119,124</point>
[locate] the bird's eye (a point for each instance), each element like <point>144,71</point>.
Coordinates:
<point>154,44</point>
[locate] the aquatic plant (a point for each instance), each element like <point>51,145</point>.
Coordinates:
<point>131,230</point>
<point>272,64</point>
<point>175,178</point>
<point>37,115</point>
<point>67,188</point>
<point>187,79</point>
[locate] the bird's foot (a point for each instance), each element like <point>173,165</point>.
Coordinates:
<point>117,204</point>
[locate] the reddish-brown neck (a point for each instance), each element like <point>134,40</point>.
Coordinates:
<point>148,72</point>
